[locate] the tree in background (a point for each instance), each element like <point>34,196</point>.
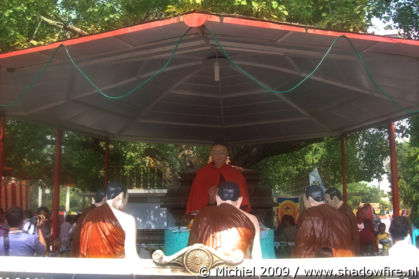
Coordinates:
<point>30,147</point>
<point>28,23</point>
<point>365,153</point>
<point>408,169</point>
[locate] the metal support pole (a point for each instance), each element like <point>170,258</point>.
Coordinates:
<point>106,162</point>
<point>343,160</point>
<point>393,167</point>
<point>56,194</point>
<point>2,127</point>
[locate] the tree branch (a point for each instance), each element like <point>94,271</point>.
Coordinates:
<point>65,26</point>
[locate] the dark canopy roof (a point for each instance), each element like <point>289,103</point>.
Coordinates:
<point>185,104</point>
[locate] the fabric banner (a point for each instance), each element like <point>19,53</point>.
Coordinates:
<point>288,206</point>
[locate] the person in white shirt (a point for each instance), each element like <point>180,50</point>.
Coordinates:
<point>399,230</point>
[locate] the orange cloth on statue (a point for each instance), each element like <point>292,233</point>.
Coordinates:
<point>320,227</point>
<point>209,176</point>
<point>75,243</point>
<point>224,228</point>
<point>347,211</point>
<point>101,235</point>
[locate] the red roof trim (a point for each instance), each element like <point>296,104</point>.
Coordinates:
<point>271,25</point>
<point>212,18</point>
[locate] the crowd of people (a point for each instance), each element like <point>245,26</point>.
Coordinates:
<point>219,212</point>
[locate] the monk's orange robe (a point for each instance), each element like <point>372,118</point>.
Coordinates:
<point>224,228</point>
<point>209,176</point>
<point>320,227</point>
<point>101,235</point>
<point>75,243</point>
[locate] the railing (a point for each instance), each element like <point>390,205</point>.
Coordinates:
<point>144,177</point>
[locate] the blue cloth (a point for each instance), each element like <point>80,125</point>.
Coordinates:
<point>23,244</point>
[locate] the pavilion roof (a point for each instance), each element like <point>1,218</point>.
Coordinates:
<point>185,104</point>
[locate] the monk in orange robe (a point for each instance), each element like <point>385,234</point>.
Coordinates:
<point>207,179</point>
<point>322,227</point>
<point>108,232</point>
<point>100,199</point>
<point>102,236</point>
<point>333,198</point>
<point>225,227</point>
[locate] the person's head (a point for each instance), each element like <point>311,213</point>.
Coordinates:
<point>287,220</point>
<point>229,192</point>
<point>313,196</point>
<point>100,197</point>
<point>219,153</point>
<point>399,228</point>
<point>333,197</point>
<point>69,218</point>
<point>117,195</point>
<point>43,210</point>
<point>14,217</point>
<point>381,228</point>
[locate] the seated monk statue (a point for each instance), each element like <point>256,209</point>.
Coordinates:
<point>207,179</point>
<point>333,198</point>
<point>100,199</point>
<point>321,226</point>
<point>108,232</point>
<point>226,227</point>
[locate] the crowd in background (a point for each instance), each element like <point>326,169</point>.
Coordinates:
<point>28,233</point>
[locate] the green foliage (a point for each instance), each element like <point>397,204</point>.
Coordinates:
<point>361,192</point>
<point>408,169</point>
<point>22,26</point>
<point>29,149</point>
<point>83,161</point>
<point>401,14</point>
<point>365,153</point>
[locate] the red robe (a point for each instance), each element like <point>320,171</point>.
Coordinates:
<point>209,176</point>
<point>101,235</point>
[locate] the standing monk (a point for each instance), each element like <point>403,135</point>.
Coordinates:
<point>108,232</point>
<point>207,179</point>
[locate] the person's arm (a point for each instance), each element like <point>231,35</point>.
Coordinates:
<point>131,238</point>
<point>41,238</point>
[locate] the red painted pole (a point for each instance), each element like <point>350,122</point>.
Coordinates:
<point>106,162</point>
<point>21,194</point>
<point>2,127</point>
<point>56,196</point>
<point>393,167</point>
<point>27,195</point>
<point>343,160</point>
<point>6,197</point>
<point>14,194</point>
